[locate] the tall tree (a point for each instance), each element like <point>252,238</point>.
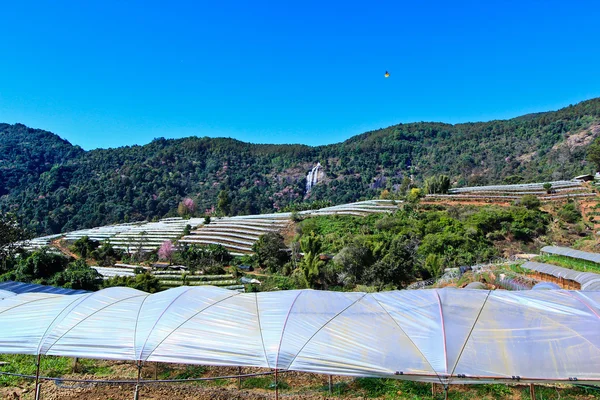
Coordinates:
<point>271,251</point>
<point>10,234</point>
<point>223,202</point>
<point>593,153</point>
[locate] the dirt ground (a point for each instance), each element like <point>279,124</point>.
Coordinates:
<point>104,392</point>
<point>303,386</point>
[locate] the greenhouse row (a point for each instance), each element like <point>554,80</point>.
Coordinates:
<point>586,280</point>
<point>517,187</point>
<point>572,253</point>
<point>434,335</point>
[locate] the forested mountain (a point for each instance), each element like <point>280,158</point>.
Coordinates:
<point>53,186</point>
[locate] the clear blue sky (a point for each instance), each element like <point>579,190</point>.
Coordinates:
<point>112,73</point>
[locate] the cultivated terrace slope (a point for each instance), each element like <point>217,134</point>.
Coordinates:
<point>53,186</point>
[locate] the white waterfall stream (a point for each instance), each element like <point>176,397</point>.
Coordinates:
<point>312,177</point>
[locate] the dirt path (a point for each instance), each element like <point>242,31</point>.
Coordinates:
<point>60,245</point>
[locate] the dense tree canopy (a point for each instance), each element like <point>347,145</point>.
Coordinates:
<point>53,186</point>
<point>391,251</point>
<point>10,235</point>
<point>271,251</point>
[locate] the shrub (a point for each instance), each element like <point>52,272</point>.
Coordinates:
<point>569,213</point>
<point>530,202</point>
<point>271,251</point>
<point>414,196</point>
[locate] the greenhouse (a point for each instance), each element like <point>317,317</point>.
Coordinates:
<point>586,280</point>
<point>5,293</point>
<point>568,252</point>
<point>437,335</point>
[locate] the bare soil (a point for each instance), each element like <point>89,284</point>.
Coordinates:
<point>63,248</point>
<point>301,385</point>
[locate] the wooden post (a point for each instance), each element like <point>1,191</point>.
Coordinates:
<point>37,378</point>
<point>432,389</point>
<point>239,378</point>
<point>330,385</point>
<point>76,364</point>
<point>155,371</point>
<point>532,391</point>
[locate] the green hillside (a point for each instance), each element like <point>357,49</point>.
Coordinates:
<point>53,186</point>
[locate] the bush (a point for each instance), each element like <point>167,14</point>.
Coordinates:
<point>84,246</point>
<point>145,282</point>
<point>271,251</point>
<point>513,179</point>
<point>569,213</point>
<point>530,202</point>
<point>414,196</point>
<point>40,266</point>
<point>296,216</point>
<point>78,276</point>
<point>434,264</point>
<point>495,236</point>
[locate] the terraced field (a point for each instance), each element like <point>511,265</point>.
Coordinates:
<point>560,190</point>
<point>135,237</point>
<point>40,242</point>
<point>236,234</point>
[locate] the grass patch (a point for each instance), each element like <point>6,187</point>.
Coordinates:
<point>166,371</point>
<point>518,269</point>
<point>26,365</point>
<point>271,283</point>
<point>568,262</point>
<point>392,388</point>
<point>562,393</point>
<point>93,367</point>
<point>495,391</point>
<point>190,372</point>
<point>376,387</point>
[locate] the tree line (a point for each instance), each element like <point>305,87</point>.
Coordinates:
<point>52,186</point>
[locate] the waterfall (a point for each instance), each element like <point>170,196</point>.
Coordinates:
<point>312,177</point>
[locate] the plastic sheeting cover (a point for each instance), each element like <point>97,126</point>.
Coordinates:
<point>587,280</point>
<point>5,293</point>
<point>21,287</point>
<point>428,335</point>
<point>546,286</point>
<point>568,252</point>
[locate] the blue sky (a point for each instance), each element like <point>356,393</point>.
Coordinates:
<point>107,74</point>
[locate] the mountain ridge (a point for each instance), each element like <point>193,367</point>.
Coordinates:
<point>55,186</point>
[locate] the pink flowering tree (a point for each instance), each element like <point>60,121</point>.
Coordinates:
<point>189,204</point>
<point>187,207</point>
<point>165,252</point>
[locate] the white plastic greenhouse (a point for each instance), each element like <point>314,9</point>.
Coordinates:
<point>586,280</point>
<point>445,336</point>
<point>572,253</point>
<point>5,293</point>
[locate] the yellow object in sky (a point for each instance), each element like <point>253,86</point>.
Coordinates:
<point>387,74</point>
